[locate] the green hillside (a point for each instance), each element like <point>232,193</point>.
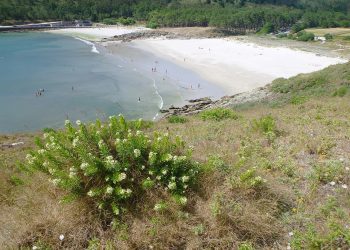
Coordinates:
<point>234,15</point>
<point>271,175</point>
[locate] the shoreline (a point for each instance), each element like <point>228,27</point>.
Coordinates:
<point>236,64</point>
<point>233,65</point>
<point>224,69</point>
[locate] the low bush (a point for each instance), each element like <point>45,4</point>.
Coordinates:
<point>328,36</point>
<point>218,114</point>
<point>110,21</point>
<point>177,119</point>
<point>152,25</point>
<point>112,165</point>
<point>126,20</point>
<point>331,171</point>
<point>265,124</point>
<point>267,29</point>
<point>121,20</point>
<point>297,100</point>
<point>341,92</point>
<point>248,179</point>
<point>305,36</point>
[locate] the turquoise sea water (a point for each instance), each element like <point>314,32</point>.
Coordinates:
<point>80,81</point>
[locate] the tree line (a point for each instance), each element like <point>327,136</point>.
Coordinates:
<point>237,16</point>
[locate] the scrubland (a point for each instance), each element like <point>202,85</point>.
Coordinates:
<point>274,174</point>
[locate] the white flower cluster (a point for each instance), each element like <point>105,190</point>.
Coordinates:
<point>121,177</point>
<point>30,158</point>
<point>109,190</point>
<point>52,146</point>
<point>75,142</point>
<point>172,185</point>
<point>137,153</point>
<point>101,144</point>
<point>110,161</point>
<point>152,157</point>
<point>56,181</point>
<point>41,151</point>
<point>84,166</point>
<point>158,207</point>
<point>179,159</point>
<point>185,179</point>
<point>91,193</point>
<point>169,157</point>
<point>72,172</point>
<point>125,191</point>
<point>183,200</point>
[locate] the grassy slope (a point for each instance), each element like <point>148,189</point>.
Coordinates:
<point>306,151</point>
<point>333,31</point>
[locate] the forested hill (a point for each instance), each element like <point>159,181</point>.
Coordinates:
<point>234,15</point>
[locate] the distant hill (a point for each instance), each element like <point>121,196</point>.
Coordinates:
<point>234,15</point>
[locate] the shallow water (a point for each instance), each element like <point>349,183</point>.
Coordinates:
<point>80,80</point>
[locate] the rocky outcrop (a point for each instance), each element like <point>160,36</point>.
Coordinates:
<point>197,105</point>
<point>174,33</point>
<point>141,35</point>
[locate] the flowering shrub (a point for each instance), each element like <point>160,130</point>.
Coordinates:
<point>112,164</point>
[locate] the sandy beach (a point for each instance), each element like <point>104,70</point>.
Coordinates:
<point>233,65</point>
<point>96,34</point>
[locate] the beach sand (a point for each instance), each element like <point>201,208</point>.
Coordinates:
<point>233,65</point>
<point>236,66</point>
<point>96,34</point>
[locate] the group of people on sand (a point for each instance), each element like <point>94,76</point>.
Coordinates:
<point>40,92</point>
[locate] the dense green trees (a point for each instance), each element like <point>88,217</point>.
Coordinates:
<point>237,16</point>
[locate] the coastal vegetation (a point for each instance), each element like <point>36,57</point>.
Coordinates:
<point>112,166</point>
<point>271,173</point>
<point>237,16</point>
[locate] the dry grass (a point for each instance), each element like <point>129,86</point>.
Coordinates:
<point>221,214</point>
<point>333,31</point>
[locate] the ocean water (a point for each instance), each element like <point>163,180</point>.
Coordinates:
<point>81,80</point>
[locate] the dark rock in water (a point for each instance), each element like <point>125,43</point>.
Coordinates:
<point>164,111</point>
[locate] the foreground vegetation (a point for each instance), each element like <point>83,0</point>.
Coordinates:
<point>272,175</point>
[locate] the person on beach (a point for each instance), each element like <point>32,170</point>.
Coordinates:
<point>199,85</point>
<point>139,99</point>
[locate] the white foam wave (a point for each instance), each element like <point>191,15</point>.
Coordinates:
<point>93,46</point>
<point>161,103</point>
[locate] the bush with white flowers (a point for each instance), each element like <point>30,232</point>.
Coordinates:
<point>111,164</point>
